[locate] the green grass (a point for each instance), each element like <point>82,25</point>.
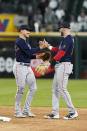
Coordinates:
<point>43,96</point>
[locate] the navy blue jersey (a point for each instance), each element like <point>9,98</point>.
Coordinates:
<point>67,44</point>
<point>23,51</point>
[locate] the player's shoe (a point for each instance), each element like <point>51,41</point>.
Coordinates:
<point>19,115</point>
<point>51,116</point>
<point>29,113</point>
<point>71,116</point>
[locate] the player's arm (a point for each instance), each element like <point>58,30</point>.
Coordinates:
<point>61,53</point>
<point>54,49</point>
<point>28,51</point>
<point>57,57</point>
<point>35,50</point>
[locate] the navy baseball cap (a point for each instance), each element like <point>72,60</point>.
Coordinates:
<point>24,27</point>
<point>64,25</point>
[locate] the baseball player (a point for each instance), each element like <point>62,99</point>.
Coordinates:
<point>23,72</point>
<point>63,68</point>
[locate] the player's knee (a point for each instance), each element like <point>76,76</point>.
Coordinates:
<point>33,87</point>
<point>20,90</point>
<point>63,91</point>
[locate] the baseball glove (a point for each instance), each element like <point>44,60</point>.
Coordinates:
<point>42,68</point>
<point>46,56</point>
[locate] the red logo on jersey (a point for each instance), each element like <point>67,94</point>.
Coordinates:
<point>16,48</point>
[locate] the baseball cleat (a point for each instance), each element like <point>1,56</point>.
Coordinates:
<point>52,116</point>
<point>19,115</point>
<point>71,116</point>
<point>29,114</point>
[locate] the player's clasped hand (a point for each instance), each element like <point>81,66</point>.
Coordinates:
<point>43,44</point>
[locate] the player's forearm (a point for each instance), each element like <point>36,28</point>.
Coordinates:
<point>32,51</point>
<point>54,49</point>
<point>35,50</point>
<point>59,55</point>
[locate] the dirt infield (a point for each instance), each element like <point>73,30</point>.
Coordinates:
<point>40,124</point>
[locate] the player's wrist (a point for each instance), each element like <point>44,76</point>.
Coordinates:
<point>50,47</point>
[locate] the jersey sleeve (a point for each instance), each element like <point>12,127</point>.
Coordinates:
<point>54,49</point>
<point>24,47</point>
<point>35,50</point>
<point>59,55</point>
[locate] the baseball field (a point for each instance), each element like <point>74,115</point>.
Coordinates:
<point>41,106</point>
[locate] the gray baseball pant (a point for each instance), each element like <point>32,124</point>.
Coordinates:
<point>62,72</point>
<point>23,75</point>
